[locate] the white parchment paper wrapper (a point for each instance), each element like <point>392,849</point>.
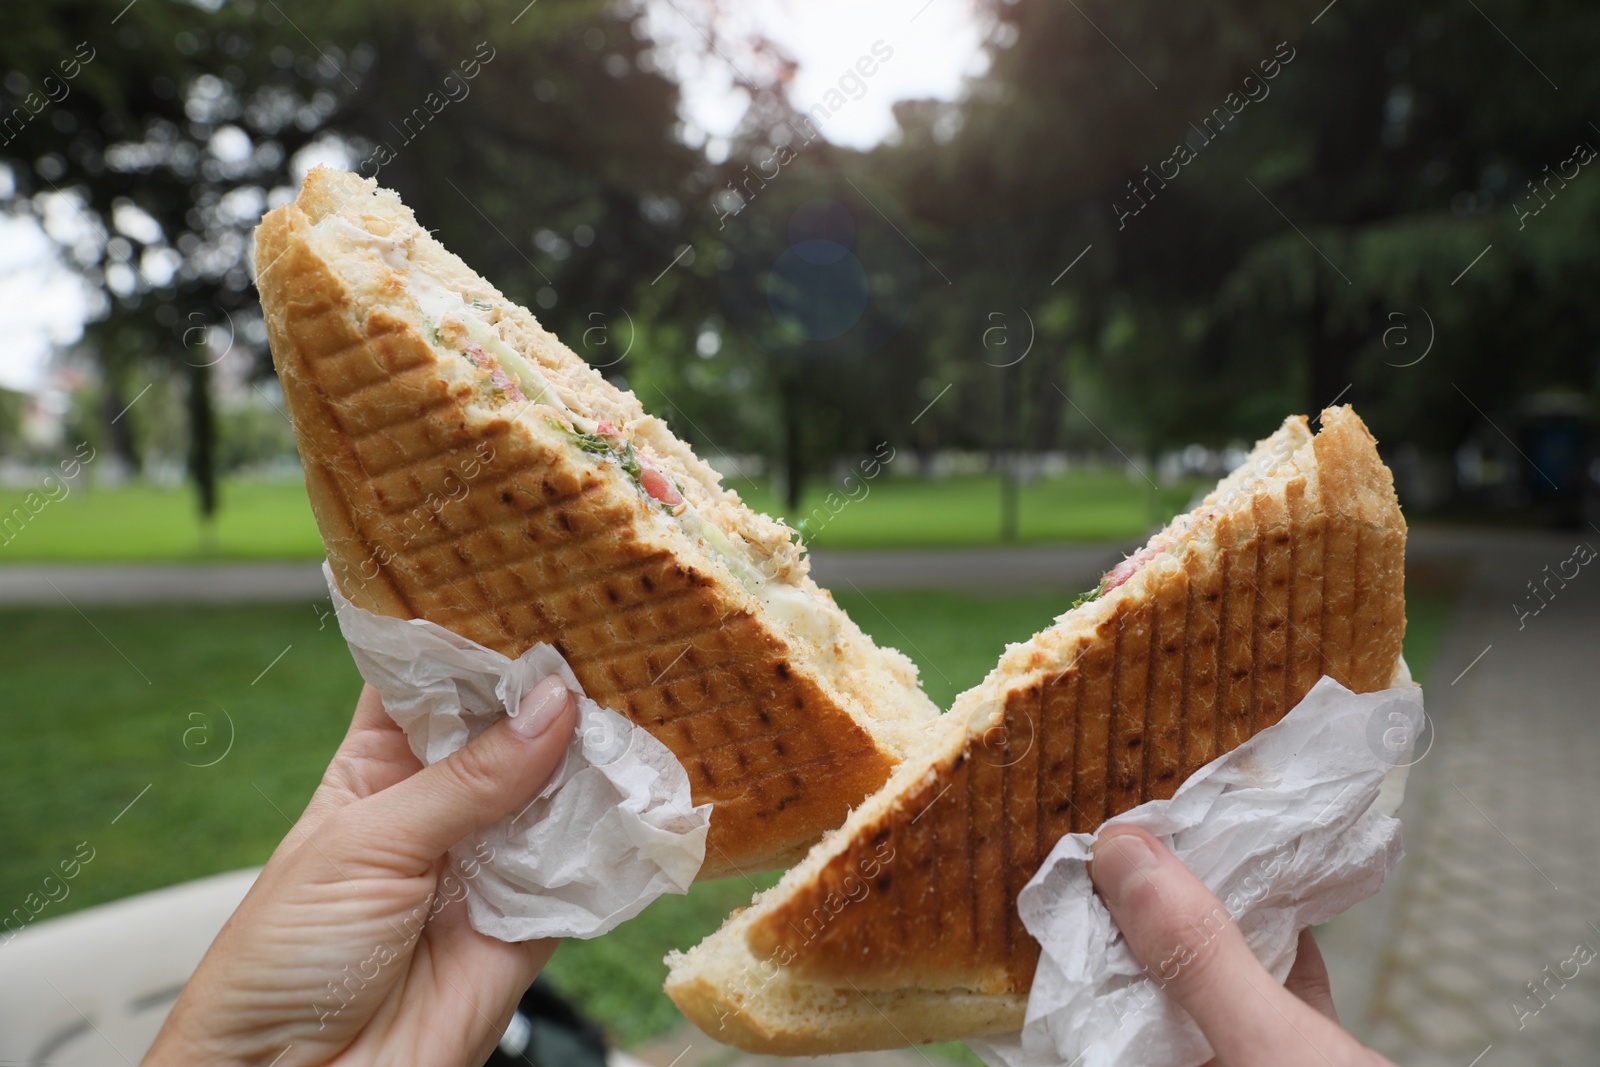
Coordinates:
<point>613,830</point>
<point>1289,829</point>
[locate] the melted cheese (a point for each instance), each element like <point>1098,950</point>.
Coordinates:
<point>393,251</point>
<point>800,610</point>
<point>796,608</point>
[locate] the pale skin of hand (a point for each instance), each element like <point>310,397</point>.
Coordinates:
<point>362,869</point>
<point>1249,1019</point>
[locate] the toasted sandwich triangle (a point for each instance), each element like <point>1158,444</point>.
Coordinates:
<point>902,927</point>
<point>467,468</point>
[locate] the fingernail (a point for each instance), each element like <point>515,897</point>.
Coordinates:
<point>1122,863</point>
<point>540,707</point>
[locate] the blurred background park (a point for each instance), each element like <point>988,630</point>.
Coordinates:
<point>1064,261</point>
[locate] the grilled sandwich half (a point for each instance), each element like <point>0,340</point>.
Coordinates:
<point>902,927</point>
<point>467,468</point>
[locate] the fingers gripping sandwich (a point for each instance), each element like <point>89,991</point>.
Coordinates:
<point>466,468</point>
<point>902,927</point>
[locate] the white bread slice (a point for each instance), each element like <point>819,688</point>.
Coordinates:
<point>900,927</point>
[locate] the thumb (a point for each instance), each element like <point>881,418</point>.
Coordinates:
<point>412,823</point>
<point>1192,949</point>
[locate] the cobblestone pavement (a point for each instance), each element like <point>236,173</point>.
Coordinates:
<point>1487,942</point>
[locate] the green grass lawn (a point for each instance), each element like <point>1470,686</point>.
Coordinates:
<point>272,519</point>
<point>1082,505</point>
<point>126,704</point>
<point>126,698</point>
<point>257,520</point>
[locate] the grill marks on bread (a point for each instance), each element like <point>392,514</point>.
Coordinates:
<point>1208,648</point>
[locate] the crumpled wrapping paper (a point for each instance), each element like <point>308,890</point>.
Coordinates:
<point>1290,829</point>
<point>614,828</point>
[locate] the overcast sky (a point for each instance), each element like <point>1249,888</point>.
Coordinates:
<point>41,303</point>
<point>934,44</point>
<point>931,46</point>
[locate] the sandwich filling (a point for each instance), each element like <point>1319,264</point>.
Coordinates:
<point>1268,456</point>
<point>504,378</point>
<point>507,378</point>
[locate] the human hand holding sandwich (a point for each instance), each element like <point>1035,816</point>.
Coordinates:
<point>1249,1019</point>
<point>353,945</point>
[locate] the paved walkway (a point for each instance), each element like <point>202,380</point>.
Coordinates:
<point>1026,568</point>
<point>1501,884</point>
<point>147,583</point>
<point>1029,568</point>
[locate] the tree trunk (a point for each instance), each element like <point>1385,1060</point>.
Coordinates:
<point>203,443</point>
<point>119,428</point>
<point>793,445</point>
<point>1009,440</point>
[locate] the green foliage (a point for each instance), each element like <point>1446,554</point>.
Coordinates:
<point>1364,163</point>
<point>252,433</point>
<point>193,117</point>
<point>1383,162</point>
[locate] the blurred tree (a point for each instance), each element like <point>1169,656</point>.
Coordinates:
<point>555,168</point>
<point>144,139</point>
<point>148,139</point>
<point>1020,177</point>
<point>816,283</point>
<point>12,405</point>
<point>1401,168</point>
<point>1252,244</point>
<point>1179,263</point>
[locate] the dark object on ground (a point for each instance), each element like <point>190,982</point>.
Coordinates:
<point>548,1032</point>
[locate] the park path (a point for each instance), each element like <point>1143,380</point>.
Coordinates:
<point>1501,882</point>
<point>1027,568</point>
